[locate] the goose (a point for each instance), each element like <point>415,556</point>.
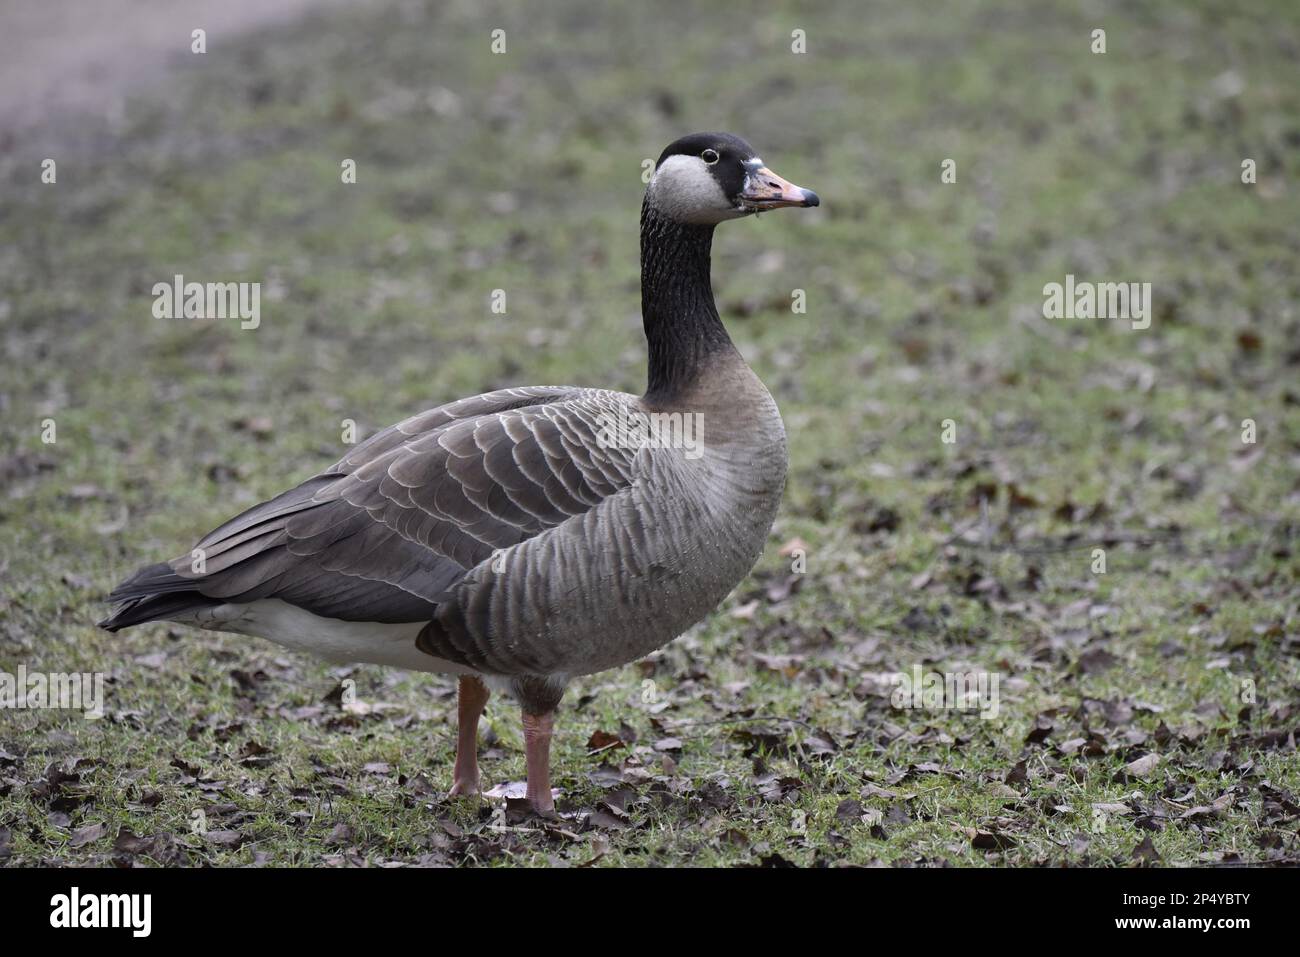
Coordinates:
<point>526,536</point>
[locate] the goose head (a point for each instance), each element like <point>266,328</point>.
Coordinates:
<point>707,178</point>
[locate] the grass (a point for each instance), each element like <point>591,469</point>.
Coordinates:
<point>766,735</point>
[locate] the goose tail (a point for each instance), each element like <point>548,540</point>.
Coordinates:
<point>154,593</point>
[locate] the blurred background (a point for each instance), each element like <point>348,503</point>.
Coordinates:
<point>522,171</point>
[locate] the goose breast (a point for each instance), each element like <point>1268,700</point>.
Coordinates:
<point>608,586</point>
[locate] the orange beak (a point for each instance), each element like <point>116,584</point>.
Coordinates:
<point>766,190</point>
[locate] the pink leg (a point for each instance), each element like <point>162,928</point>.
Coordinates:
<point>537,751</point>
<point>471,699</point>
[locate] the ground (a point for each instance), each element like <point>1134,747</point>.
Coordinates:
<point>1099,533</point>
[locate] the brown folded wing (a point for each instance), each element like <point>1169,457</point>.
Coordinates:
<point>388,532</point>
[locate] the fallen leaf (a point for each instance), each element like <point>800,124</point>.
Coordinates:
<point>86,835</point>
<point>603,741</point>
<point>1146,851</point>
<point>128,843</point>
<point>990,840</point>
<point>1144,766</point>
<point>848,810</point>
<point>225,838</point>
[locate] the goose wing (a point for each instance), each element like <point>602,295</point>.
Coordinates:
<point>389,530</point>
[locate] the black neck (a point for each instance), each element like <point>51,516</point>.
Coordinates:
<point>682,326</point>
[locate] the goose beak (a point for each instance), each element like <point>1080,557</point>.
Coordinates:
<point>766,190</point>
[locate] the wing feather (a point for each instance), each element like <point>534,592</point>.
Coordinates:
<point>388,532</point>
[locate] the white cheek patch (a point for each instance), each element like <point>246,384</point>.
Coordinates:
<point>684,189</point>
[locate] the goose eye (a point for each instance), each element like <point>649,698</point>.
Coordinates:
<point>709,156</point>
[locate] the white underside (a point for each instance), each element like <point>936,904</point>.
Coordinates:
<point>368,642</point>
